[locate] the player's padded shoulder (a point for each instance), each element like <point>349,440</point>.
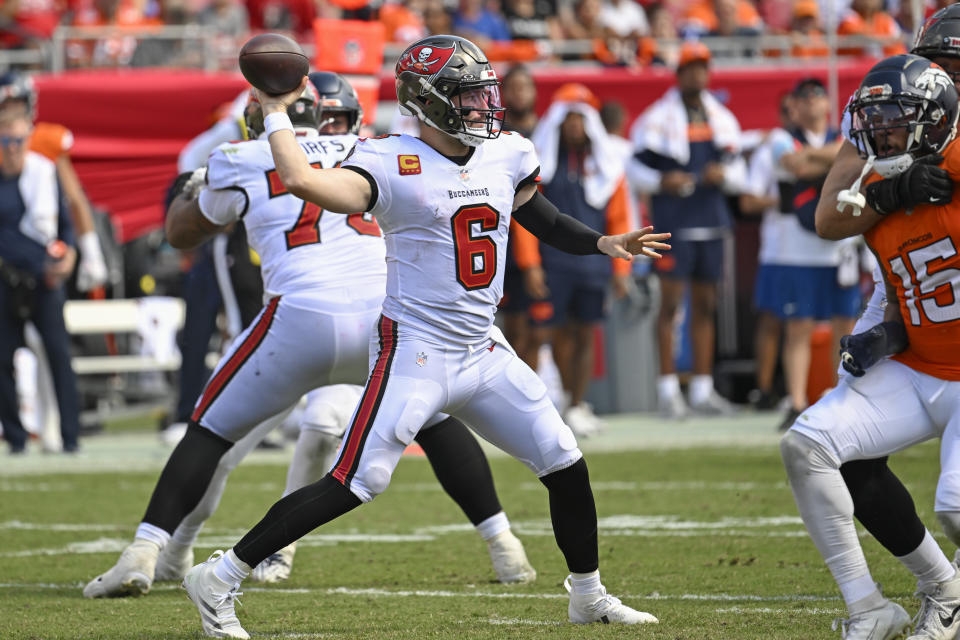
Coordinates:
<point>517,152</point>
<point>231,161</point>
<point>51,140</point>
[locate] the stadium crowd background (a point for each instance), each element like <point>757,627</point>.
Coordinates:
<point>130,127</point>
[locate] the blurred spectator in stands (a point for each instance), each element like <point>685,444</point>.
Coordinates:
<point>403,21</point>
<point>812,278</point>
<point>532,20</point>
<point>26,23</point>
<point>281,15</point>
<point>36,257</point>
<point>687,154</point>
<point>228,17</point>
<point>867,18</point>
<point>584,22</point>
<point>519,98</point>
<point>114,50</point>
<point>177,52</point>
<point>762,196</point>
<point>578,169</point>
<point>625,24</point>
<point>476,22</point>
<point>805,31</point>
<point>663,28</point>
<point>437,19</point>
<point>720,18</point>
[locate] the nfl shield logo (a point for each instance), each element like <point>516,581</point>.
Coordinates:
<point>464,175</point>
<point>421,359</point>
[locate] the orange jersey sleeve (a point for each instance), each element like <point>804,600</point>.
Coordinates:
<point>50,140</point>
<point>618,221</point>
<point>526,247</point>
<point>920,256</point>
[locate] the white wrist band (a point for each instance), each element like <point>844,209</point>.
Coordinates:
<point>277,122</point>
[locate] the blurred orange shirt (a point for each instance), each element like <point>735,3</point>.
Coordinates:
<point>50,140</point>
<point>879,25</point>
<point>919,254</point>
<point>703,15</point>
<point>401,24</point>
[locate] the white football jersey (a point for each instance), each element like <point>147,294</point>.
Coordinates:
<point>301,246</point>
<point>445,225</point>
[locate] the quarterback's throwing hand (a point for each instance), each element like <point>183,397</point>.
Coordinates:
<point>278,104</point>
<point>627,245</point>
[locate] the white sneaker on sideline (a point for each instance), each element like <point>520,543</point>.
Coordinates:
<point>939,614</point>
<point>580,420</point>
<point>883,623</point>
<point>131,576</point>
<point>600,607</point>
<point>599,424</point>
<point>714,405</point>
<point>173,563</point>
<point>276,567</point>
<point>509,559</point>
<point>214,600</point>
<point>672,407</point>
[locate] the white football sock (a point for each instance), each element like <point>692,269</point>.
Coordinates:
<point>494,525</point>
<point>701,387</point>
<point>151,533</point>
<point>668,386</point>
<point>928,562</point>
<point>585,582</point>
<point>231,569</point>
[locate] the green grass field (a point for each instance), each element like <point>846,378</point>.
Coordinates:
<point>697,526</point>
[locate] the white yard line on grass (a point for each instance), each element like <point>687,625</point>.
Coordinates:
<point>430,593</point>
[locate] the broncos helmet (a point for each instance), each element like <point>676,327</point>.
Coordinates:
<point>444,79</point>
<point>940,36</point>
<point>19,86</point>
<point>303,112</point>
<point>905,108</point>
<point>336,96</point>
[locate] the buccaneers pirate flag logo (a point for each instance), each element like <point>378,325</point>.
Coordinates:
<point>425,60</point>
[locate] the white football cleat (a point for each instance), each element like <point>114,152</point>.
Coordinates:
<point>509,559</point>
<point>672,407</point>
<point>714,405</point>
<point>939,615</point>
<point>214,599</point>
<point>131,576</point>
<point>600,607</point>
<point>276,567</point>
<point>174,562</point>
<point>883,623</point>
<point>581,420</point>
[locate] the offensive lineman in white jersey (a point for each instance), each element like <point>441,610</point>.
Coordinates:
<point>444,202</point>
<point>323,281</point>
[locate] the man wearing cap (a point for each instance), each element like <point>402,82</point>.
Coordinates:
<point>806,32</point>
<point>579,166</point>
<point>687,156</point>
<point>810,278</point>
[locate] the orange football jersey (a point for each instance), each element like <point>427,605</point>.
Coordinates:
<point>51,140</point>
<point>920,255</point>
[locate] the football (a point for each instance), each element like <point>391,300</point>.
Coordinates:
<point>273,63</point>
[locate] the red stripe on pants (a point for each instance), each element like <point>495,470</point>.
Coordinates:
<point>368,403</point>
<point>246,348</point>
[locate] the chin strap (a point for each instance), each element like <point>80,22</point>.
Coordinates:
<point>852,197</point>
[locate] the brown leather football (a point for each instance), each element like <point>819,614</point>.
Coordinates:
<point>273,63</point>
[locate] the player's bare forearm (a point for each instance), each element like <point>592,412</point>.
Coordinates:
<point>335,190</point>
<point>80,210</point>
<point>186,226</point>
<point>831,223</point>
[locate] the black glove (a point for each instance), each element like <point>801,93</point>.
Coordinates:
<point>922,183</point>
<point>861,351</point>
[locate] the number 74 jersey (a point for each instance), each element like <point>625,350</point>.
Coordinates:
<point>445,222</point>
<point>920,254</point>
<point>301,247</point>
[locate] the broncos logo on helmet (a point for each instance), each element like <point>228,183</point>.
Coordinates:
<point>906,108</point>
<point>448,84</point>
<point>336,97</point>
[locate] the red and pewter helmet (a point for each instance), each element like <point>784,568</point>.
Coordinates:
<point>447,83</point>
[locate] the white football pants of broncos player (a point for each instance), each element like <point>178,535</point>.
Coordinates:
<point>890,408</point>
